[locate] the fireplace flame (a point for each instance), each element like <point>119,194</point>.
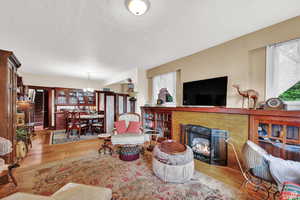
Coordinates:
<point>201,148</point>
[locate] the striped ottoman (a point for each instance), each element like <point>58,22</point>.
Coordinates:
<point>129,153</point>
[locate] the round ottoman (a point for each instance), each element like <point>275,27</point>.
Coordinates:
<point>175,166</point>
<point>129,153</point>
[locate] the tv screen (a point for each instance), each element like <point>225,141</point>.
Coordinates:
<point>209,92</point>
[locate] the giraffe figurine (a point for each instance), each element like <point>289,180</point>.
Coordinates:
<point>249,94</point>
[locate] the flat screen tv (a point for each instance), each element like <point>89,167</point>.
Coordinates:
<point>209,92</point>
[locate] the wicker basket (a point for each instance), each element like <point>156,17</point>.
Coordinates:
<point>129,153</point>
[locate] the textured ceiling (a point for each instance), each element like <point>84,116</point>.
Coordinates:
<point>73,37</point>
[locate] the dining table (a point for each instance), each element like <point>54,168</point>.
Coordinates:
<point>90,118</point>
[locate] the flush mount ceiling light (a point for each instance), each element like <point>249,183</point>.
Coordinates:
<point>137,7</point>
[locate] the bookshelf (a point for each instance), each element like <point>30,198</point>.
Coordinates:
<point>158,120</point>
<point>279,136</point>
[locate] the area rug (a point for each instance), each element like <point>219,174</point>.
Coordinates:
<point>60,137</point>
<point>128,180</point>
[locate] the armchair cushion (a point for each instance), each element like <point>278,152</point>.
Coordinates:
<point>134,127</point>
<point>128,139</point>
<point>120,126</point>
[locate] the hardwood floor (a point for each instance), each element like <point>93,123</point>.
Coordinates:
<point>42,152</point>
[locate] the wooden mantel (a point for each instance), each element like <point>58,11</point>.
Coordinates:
<point>224,110</point>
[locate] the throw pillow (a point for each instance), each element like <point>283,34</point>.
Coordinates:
<point>290,191</point>
<point>134,127</point>
<point>120,126</point>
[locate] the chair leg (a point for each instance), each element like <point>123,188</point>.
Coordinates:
<point>68,133</point>
<point>10,168</point>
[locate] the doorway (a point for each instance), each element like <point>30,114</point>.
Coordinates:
<point>41,109</point>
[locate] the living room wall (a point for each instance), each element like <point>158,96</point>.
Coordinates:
<point>243,60</point>
<point>59,81</point>
<point>139,78</point>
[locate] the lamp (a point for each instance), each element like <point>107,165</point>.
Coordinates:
<point>132,96</point>
<point>88,89</point>
<point>23,105</point>
<point>137,7</point>
<point>5,146</point>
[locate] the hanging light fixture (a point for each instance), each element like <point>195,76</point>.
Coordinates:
<point>137,7</point>
<point>88,89</point>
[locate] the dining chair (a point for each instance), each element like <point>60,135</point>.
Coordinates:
<point>67,116</point>
<point>98,123</point>
<point>76,124</point>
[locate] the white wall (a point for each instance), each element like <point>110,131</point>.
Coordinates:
<point>59,81</point>
<point>142,88</point>
<point>120,78</point>
<point>140,81</point>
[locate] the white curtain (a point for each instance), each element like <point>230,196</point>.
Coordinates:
<point>101,100</point>
<point>128,104</point>
<point>168,81</point>
<point>110,113</point>
<point>283,67</point>
<point>121,104</point>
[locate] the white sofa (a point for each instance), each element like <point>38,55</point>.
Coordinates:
<point>71,191</point>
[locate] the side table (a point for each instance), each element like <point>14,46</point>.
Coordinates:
<point>7,173</point>
<point>106,146</point>
<point>152,133</point>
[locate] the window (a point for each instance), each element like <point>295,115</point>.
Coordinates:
<point>283,72</point>
<point>168,81</point>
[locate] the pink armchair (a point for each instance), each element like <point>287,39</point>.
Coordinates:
<point>129,138</point>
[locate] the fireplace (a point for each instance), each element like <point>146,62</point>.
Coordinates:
<point>208,144</point>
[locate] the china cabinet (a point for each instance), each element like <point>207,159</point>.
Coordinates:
<point>9,65</point>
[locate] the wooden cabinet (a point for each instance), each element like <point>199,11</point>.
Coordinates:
<point>113,104</point>
<point>74,97</point>
<point>60,121</point>
<point>280,136</point>
<point>8,96</point>
<point>159,120</point>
